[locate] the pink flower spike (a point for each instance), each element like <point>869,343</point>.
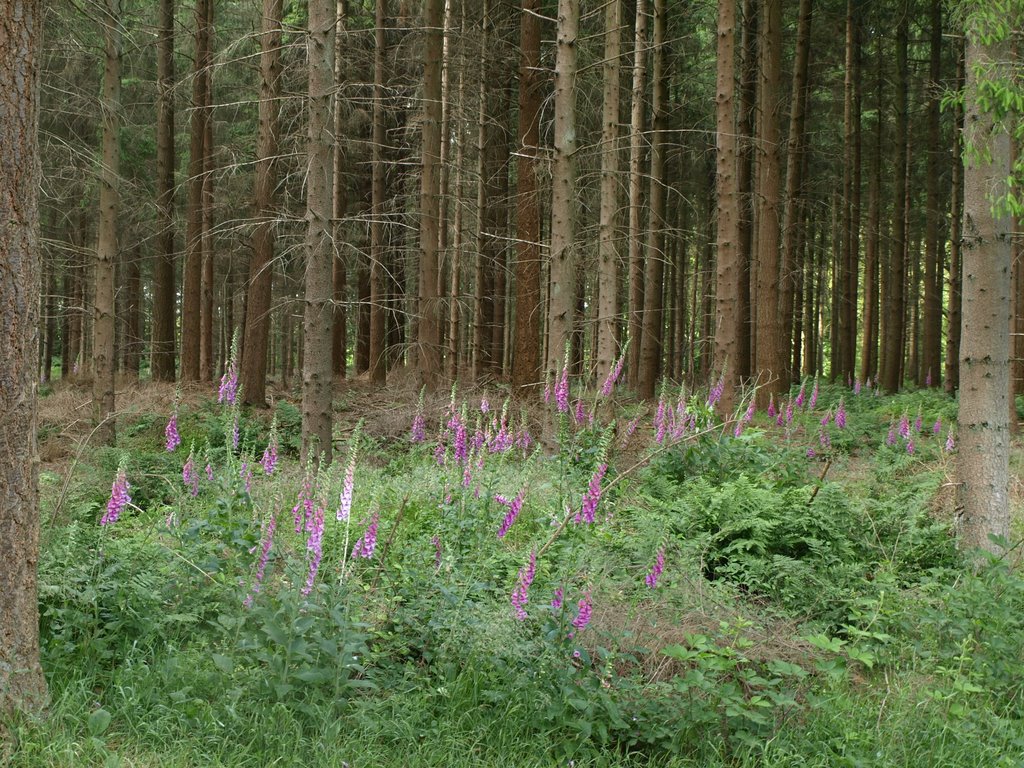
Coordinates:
<point>171,433</point>
<point>583,613</point>
<point>367,544</point>
<point>521,594</point>
<point>562,391</point>
<point>651,578</point>
<point>593,495</point>
<point>345,502</point>
<point>119,497</point>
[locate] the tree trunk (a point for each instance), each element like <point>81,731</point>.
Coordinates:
<point>607,249</point>
<point>428,341</point>
<point>106,239</point>
<point>730,273</point>
<point>22,685</point>
<point>133,316</point>
<point>931,327</point>
<point>872,250</point>
<point>206,348</point>
<point>795,166</point>
<point>636,156</point>
<point>562,299</point>
<point>893,298</point>
<point>317,378</point>
<point>772,346</point>
<point>339,340</point>
<point>162,340</point>
<point>192,276</point>
<point>526,362</point>
<point>378,274</point>
<point>952,382</point>
<point>261,263</point>
<point>984,450</point>
<point>745,173</point>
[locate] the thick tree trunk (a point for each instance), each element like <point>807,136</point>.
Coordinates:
<point>428,341</point>
<point>162,339</point>
<point>745,172</point>
<point>607,248</point>
<point>317,378</point>
<point>106,240</point>
<point>562,298</point>
<point>261,263</point>
<point>22,685</point>
<point>636,164</point>
<point>772,346</point>
<point>984,445</point>
<point>526,362</point>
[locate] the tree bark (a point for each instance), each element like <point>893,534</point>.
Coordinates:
<point>378,274</point>
<point>893,298</point>
<point>526,361</point>
<point>635,237</point>
<point>317,379</point>
<point>192,273</point>
<point>428,341</point>
<point>984,444</point>
<point>607,249</point>
<point>872,250</point>
<point>106,239</point>
<point>22,685</point>
<point>952,382</point>
<point>162,339</point>
<point>654,271</point>
<point>931,328</point>
<point>261,263</point>
<point>562,298</point>
<point>339,340</point>
<point>772,346</point>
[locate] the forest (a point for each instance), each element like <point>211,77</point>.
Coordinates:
<point>511,383</point>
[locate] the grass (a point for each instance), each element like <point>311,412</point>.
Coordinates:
<point>793,625</point>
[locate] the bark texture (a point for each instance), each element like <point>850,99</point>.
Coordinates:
<point>22,685</point>
<point>162,339</point>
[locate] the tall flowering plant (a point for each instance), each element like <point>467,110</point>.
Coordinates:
<point>119,495</point>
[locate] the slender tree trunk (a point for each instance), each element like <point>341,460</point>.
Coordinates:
<point>654,271</point>
<point>563,179</point>
<point>984,444</point>
<point>772,346</point>
<point>893,299</point>
<point>852,265</point>
<point>317,374</point>
<point>206,347</point>
<point>193,269</point>
<point>22,684</point>
<point>261,263</point>
<point>133,316</point>
<point>339,340</point>
<point>635,238</point>
<point>429,320</point>
<point>952,382</point>
<point>931,329</point>
<point>745,173</point>
<point>872,251</point>
<point>378,274</point>
<point>526,363</point>
<point>728,323</point>
<point>164,283</point>
<point>607,248</point>
<point>794,164</point>
<point>106,241</point>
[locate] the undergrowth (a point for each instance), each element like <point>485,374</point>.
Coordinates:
<point>675,591</point>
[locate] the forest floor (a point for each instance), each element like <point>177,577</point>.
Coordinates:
<point>788,594</point>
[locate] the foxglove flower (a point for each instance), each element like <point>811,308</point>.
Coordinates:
<point>856,386</point>
<point>314,548</point>
<point>810,452</point>
<point>584,609</point>
<point>771,407</point>
<point>228,392</point>
<point>234,432</point>
<point>918,422</point>
<point>190,475</point>
<point>613,376</point>
<point>716,392</point>
<point>579,415</point>
<point>910,447</point>
<point>246,474</point>
<point>261,566</point>
<point>814,396</point>
<point>904,426</point>
<point>345,502</point>
<point>514,506</point>
<point>562,391</point>
<point>660,421</point>
<point>659,565</point>
<point>841,415</point>
<point>367,544</point>
<point>800,397</point>
<point>269,460</point>
<point>937,427</point>
<point>419,429</point>
<point>556,601</point>
<point>302,512</point>
<point>171,433</point>
<point>950,443</point>
<point>890,439</point>
<point>588,507</point>
<point>209,472</point>
<point>119,497</point>
<point>521,593</point>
